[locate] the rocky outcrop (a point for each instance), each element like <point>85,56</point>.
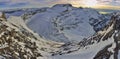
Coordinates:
<point>15,44</point>
<point>19,42</point>
<point>110,35</point>
<point>3,16</point>
<point>111,51</point>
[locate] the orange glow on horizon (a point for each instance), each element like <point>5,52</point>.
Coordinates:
<point>98,6</point>
<point>93,4</point>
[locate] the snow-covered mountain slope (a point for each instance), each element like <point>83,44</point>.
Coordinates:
<point>64,23</point>
<point>23,12</point>
<point>17,41</point>
<point>97,37</point>
<point>105,44</point>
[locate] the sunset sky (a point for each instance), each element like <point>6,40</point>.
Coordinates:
<point>112,4</point>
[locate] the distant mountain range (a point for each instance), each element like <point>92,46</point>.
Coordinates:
<point>59,32</point>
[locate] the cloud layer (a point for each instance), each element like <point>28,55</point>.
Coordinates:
<point>39,3</point>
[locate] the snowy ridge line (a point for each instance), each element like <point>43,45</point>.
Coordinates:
<point>66,23</point>
<point>19,42</point>
<point>107,43</point>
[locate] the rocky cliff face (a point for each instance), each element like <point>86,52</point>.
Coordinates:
<point>18,42</point>
<point>105,44</point>
<point>111,50</point>
<point>111,32</point>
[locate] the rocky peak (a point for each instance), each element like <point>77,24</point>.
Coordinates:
<point>117,20</point>
<point>62,5</point>
<point>2,15</point>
